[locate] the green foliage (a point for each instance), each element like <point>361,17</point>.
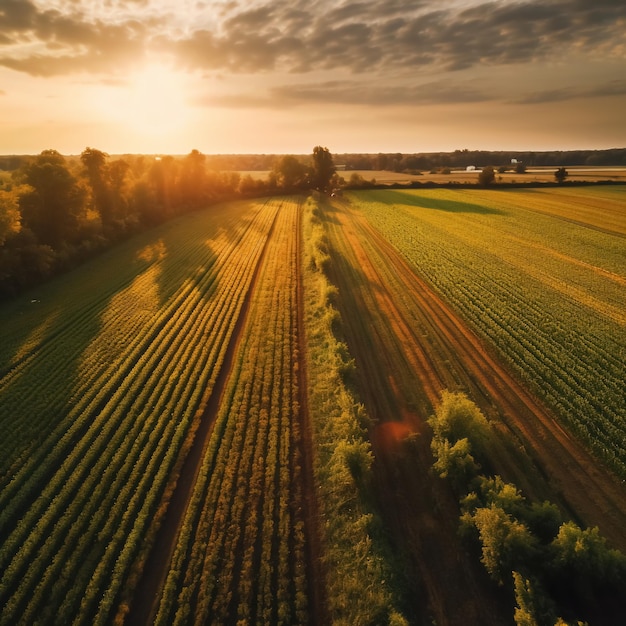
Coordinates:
<point>486,176</point>
<point>9,215</point>
<point>584,554</point>
<point>533,607</point>
<point>360,574</point>
<point>323,169</point>
<point>529,539</point>
<point>52,207</point>
<point>291,174</point>
<point>454,461</point>
<point>457,418</point>
<point>506,543</point>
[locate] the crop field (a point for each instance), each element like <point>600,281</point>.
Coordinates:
<point>547,291</point>
<point>491,294</point>
<point>224,420</point>
<point>103,386</point>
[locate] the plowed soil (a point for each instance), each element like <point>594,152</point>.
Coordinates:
<point>409,346</point>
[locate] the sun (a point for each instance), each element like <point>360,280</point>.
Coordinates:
<point>151,101</point>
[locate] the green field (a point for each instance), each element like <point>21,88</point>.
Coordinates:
<point>541,275</point>
<point>183,434</point>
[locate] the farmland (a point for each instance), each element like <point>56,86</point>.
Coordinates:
<point>225,419</point>
<point>409,344</point>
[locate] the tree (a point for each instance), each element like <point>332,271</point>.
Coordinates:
<point>457,417</point>
<point>95,163</point>
<point>290,173</point>
<point>52,207</point>
<point>506,543</point>
<point>486,176</point>
<point>454,462</point>
<point>9,215</point>
<point>323,169</point>
<point>560,175</point>
<point>118,170</point>
<point>193,180</point>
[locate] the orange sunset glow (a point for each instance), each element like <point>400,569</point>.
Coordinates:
<point>253,76</point>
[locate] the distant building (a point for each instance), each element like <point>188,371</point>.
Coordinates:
<point>470,168</point>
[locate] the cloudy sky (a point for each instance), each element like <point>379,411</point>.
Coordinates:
<point>281,76</point>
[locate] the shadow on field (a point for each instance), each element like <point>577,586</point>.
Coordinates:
<point>50,334</point>
<point>416,199</point>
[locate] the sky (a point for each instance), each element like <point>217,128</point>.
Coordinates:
<point>282,76</point>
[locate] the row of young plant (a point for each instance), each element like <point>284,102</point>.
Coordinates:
<point>360,579</point>
<point>570,353</point>
<point>240,556</point>
<point>54,337</point>
<point>550,567</point>
<point>74,518</point>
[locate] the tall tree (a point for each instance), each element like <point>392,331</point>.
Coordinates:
<point>290,173</point>
<point>95,163</point>
<point>9,215</point>
<point>323,169</point>
<point>486,176</point>
<point>51,209</point>
<point>193,181</point>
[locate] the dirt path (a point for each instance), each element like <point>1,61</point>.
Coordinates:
<point>148,591</point>
<point>409,346</point>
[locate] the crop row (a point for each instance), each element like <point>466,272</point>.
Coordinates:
<point>240,551</point>
<point>74,517</point>
<point>565,341</point>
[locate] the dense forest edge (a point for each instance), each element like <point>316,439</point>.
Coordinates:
<point>57,211</point>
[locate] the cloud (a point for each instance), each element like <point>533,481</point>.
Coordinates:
<point>49,42</point>
<point>350,92</point>
<point>603,90</point>
<point>303,36</point>
<point>379,35</point>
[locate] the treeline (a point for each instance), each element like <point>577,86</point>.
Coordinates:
<point>556,572</point>
<point>57,211</point>
<point>426,161</point>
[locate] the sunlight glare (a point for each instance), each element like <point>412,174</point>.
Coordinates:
<point>151,101</point>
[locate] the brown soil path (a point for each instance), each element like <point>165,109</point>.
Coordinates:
<point>407,340</point>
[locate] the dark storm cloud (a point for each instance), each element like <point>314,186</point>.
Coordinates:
<point>307,36</point>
